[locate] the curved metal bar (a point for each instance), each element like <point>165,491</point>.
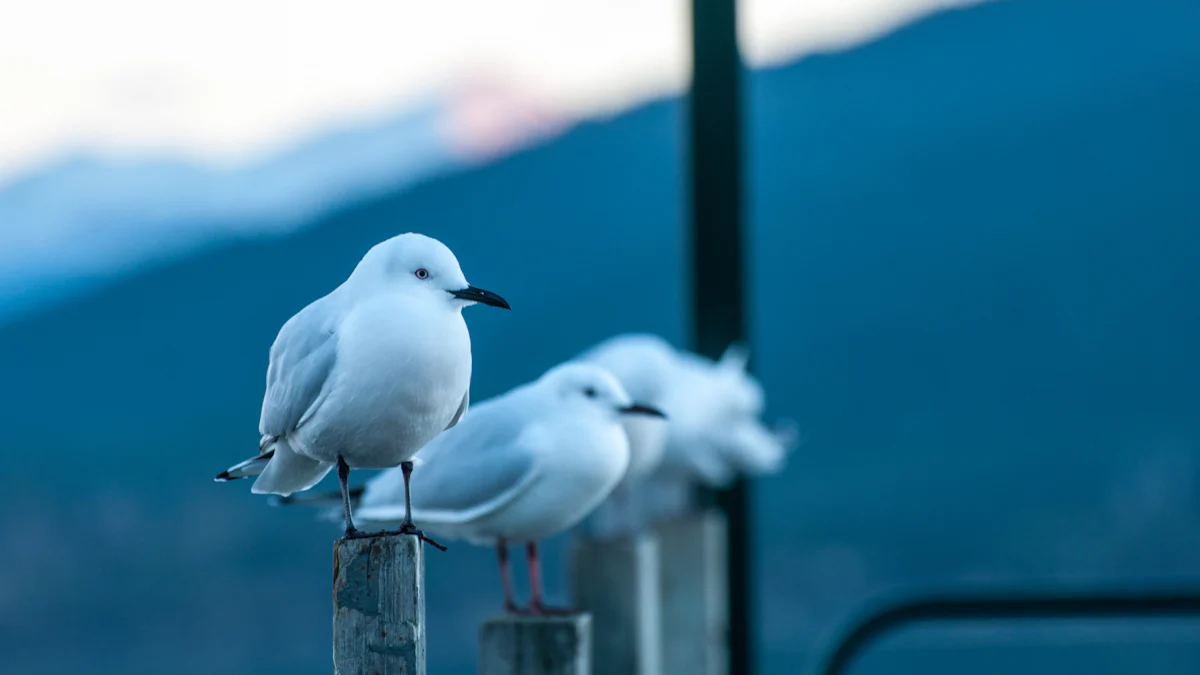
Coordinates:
<point>1108,605</point>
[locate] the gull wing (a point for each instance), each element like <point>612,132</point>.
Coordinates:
<point>302,358</point>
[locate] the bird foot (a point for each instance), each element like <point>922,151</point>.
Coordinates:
<point>410,528</point>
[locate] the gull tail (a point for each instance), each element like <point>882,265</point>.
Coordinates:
<point>251,467</point>
<point>754,449</point>
<point>279,469</point>
<point>288,471</point>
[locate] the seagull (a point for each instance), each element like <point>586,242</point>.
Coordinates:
<point>714,434</point>
<point>644,366</point>
<point>522,467</point>
<point>366,376</point>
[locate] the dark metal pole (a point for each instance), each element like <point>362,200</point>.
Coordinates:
<point>718,316</point>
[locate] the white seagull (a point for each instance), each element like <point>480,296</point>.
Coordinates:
<point>714,432</point>
<point>644,366</point>
<point>522,467</point>
<point>367,375</point>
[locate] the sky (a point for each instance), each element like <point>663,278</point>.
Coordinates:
<point>224,82</point>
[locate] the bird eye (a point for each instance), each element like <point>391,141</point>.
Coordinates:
<point>590,392</point>
<point>422,273</point>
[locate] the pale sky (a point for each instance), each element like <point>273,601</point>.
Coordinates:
<point>229,80</point>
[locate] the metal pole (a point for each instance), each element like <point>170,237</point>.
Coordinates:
<point>715,133</point>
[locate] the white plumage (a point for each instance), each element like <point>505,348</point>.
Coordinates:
<point>370,373</point>
<point>713,431</point>
<point>521,467</point>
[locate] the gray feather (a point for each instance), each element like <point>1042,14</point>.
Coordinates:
<point>438,486</point>
<point>496,472</point>
<point>289,472</point>
<point>250,467</point>
<point>301,359</point>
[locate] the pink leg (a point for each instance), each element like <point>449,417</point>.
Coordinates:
<point>535,575</point>
<point>536,606</point>
<point>510,598</point>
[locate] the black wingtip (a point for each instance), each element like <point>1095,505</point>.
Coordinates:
<point>223,477</point>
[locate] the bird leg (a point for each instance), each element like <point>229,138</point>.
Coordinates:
<point>510,598</point>
<point>408,526</point>
<point>343,472</point>
<point>536,606</point>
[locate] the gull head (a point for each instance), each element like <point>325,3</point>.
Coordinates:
<point>588,387</point>
<point>421,265</point>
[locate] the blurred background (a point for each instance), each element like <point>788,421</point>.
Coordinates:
<point>974,261</point>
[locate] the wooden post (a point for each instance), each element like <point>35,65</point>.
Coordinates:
<point>695,610</point>
<point>379,606</point>
<point>536,645</point>
<point>617,580</point>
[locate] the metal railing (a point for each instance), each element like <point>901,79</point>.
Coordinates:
<point>1022,605</point>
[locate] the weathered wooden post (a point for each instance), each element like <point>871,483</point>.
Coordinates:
<point>379,606</point>
<point>695,610</point>
<point>617,580</point>
<point>536,645</point>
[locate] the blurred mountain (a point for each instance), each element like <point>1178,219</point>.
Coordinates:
<point>973,269</point>
<point>86,221</point>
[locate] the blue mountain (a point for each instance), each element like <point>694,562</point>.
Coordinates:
<point>82,222</point>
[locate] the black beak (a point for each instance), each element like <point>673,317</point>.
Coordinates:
<point>641,409</point>
<point>479,295</point>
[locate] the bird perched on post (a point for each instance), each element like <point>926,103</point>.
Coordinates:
<point>522,467</point>
<point>714,433</point>
<point>367,375</point>
<point>644,366</point>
